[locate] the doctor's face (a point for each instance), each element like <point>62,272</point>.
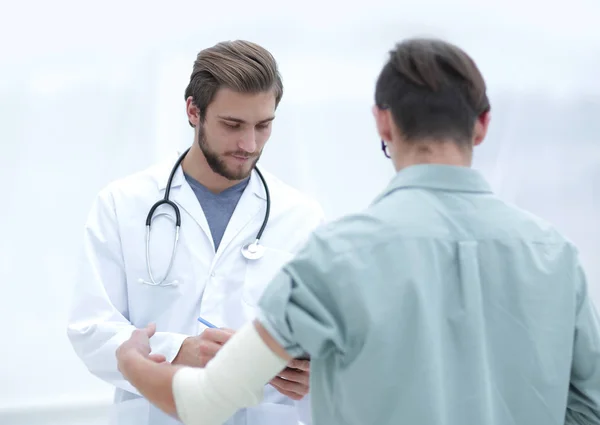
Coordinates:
<point>235,130</point>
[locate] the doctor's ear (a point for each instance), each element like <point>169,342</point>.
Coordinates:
<point>193,112</point>
<point>383,122</point>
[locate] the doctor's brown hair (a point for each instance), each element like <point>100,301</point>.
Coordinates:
<point>239,65</point>
<point>434,91</point>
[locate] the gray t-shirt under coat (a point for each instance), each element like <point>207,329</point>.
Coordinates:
<point>218,207</point>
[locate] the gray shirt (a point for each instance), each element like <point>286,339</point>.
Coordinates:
<point>218,207</point>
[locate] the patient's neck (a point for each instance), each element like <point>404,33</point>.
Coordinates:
<point>432,152</point>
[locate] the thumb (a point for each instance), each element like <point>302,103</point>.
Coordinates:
<point>150,330</point>
<point>157,358</point>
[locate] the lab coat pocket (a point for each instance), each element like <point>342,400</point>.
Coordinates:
<point>273,414</point>
<point>259,273</point>
<point>156,300</point>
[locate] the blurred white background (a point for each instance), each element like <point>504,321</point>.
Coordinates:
<point>92,91</point>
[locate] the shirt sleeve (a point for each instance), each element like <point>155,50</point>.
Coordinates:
<point>584,391</point>
<point>312,306</point>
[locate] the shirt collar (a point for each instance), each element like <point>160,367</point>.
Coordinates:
<point>447,178</point>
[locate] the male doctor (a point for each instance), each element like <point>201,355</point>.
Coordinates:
<point>440,304</point>
<point>231,100</point>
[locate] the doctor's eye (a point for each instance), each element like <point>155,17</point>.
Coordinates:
<point>263,126</point>
<point>231,126</point>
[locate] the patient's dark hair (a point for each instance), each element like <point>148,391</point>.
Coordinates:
<point>433,89</point>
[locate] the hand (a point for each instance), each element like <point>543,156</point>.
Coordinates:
<point>138,345</point>
<point>196,351</point>
<point>293,381</point>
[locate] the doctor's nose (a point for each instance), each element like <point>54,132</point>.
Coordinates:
<point>248,143</point>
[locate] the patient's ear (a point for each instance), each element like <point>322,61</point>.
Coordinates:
<point>481,127</point>
<point>383,122</point>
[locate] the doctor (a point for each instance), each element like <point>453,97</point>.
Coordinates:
<point>134,274</point>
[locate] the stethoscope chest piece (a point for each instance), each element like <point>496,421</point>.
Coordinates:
<point>253,250</point>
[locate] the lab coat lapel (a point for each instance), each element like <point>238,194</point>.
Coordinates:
<point>251,203</point>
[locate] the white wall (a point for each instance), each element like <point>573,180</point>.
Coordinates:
<point>91,92</point>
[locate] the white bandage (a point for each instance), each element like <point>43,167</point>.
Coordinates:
<point>233,379</point>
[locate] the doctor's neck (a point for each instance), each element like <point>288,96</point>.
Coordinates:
<point>196,166</point>
<point>431,152</point>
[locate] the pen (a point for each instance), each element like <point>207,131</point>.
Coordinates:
<point>206,322</point>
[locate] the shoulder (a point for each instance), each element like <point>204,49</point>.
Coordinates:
<point>289,199</point>
<point>129,192</point>
<point>143,181</point>
<point>349,235</point>
<point>533,225</point>
<point>140,184</point>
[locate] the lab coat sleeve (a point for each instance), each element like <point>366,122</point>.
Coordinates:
<point>98,321</point>
<point>584,392</point>
<point>311,306</point>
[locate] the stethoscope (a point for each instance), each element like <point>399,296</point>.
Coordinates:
<point>251,251</point>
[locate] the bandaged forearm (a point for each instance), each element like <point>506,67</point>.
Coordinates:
<point>233,379</point>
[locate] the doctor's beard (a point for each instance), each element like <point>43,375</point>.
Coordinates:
<point>218,164</point>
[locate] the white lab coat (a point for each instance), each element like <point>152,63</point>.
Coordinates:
<point>222,287</point>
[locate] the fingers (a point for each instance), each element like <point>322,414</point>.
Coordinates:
<point>157,358</point>
<point>220,336</point>
<point>139,336</point>
<point>292,383</point>
<point>303,365</point>
<point>290,394</point>
<point>150,330</point>
<point>294,390</point>
<point>295,376</point>
<point>208,348</point>
<point>144,333</point>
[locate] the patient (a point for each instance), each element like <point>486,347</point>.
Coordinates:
<point>438,304</point>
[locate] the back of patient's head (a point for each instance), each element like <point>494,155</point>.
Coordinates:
<point>434,91</point>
